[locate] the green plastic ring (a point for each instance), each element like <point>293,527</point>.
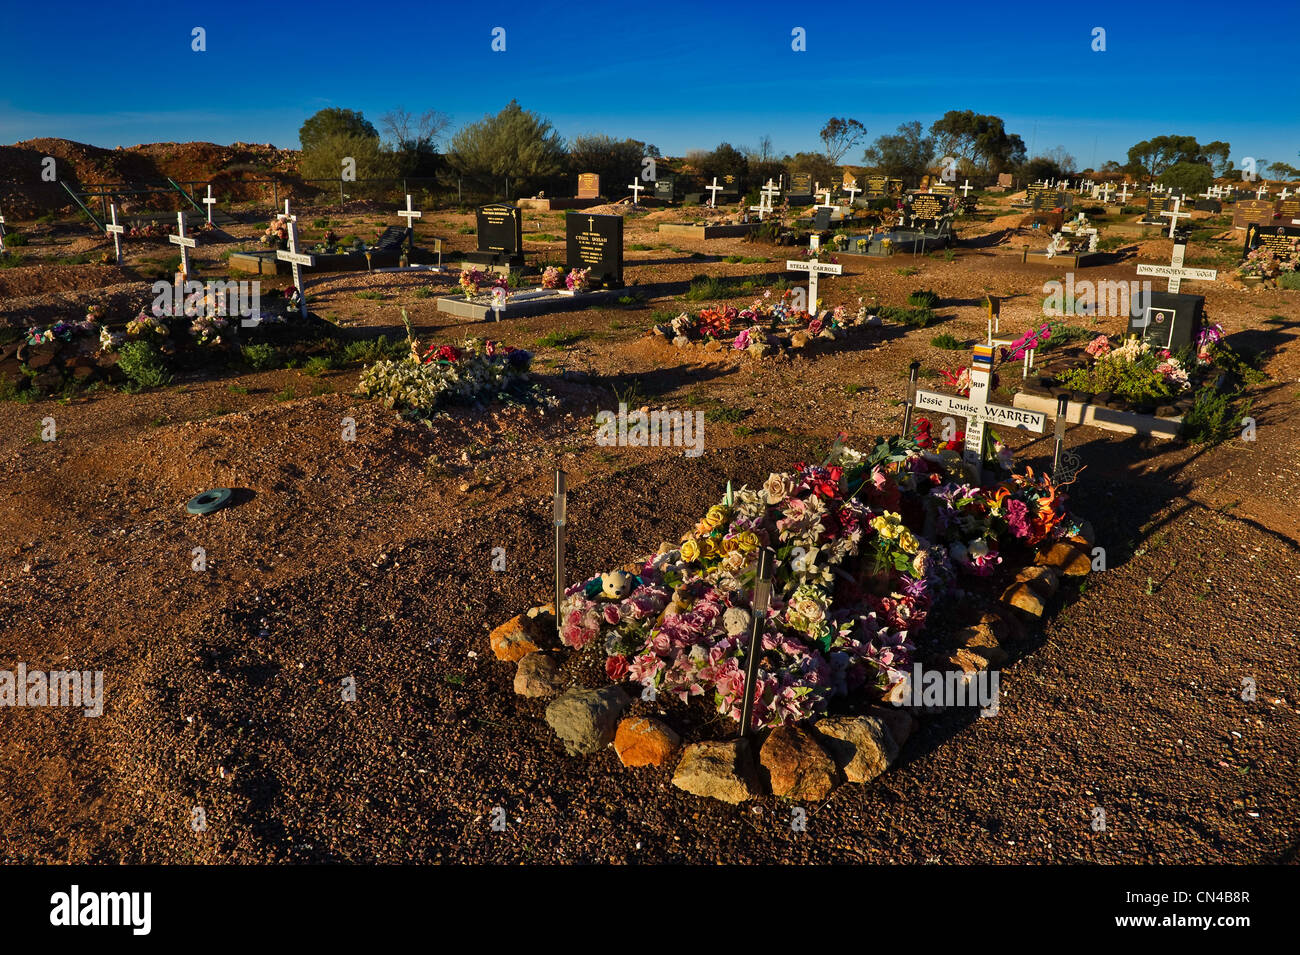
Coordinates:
<point>209,501</point>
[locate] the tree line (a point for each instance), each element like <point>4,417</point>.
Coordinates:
<point>522,149</point>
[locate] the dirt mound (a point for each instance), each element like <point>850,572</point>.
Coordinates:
<point>26,298</point>
<point>82,165</point>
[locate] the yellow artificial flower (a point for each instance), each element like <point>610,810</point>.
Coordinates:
<point>907,540</point>
<point>690,550</point>
<point>716,517</point>
<point>747,540</point>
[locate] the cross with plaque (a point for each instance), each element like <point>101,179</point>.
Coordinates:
<point>826,203</point>
<point>297,260</point>
<point>713,191</point>
<point>978,411</point>
<point>966,188</point>
<point>112,229</point>
<point>1175,272</point>
<point>853,190</point>
<point>287,215</point>
<point>813,268</point>
<point>184,242</point>
<point>209,202</point>
<point>410,214</point>
<point>1173,215</point>
<point>764,201</point>
<point>637,189</point>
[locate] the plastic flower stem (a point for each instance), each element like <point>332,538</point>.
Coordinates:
<point>759,605</point>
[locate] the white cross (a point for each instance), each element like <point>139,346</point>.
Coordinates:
<point>1175,272</point>
<point>813,268</point>
<point>410,215</point>
<point>1285,193</point>
<point>1123,195</point>
<point>636,188</point>
<point>771,190</point>
<point>1261,192</point>
<point>209,202</point>
<point>114,230</point>
<point>853,191</point>
<point>827,204</point>
<point>2,238</point>
<point>977,411</point>
<point>1174,215</point>
<point>764,202</point>
<point>185,243</point>
<point>297,260</point>
<point>713,191</point>
<point>966,187</point>
<point>291,218</point>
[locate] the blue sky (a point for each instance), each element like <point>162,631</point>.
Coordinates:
<point>680,75</point>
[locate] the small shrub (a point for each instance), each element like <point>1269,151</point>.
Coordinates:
<point>260,357</point>
<point>923,299</point>
<point>143,364</point>
<point>947,341</point>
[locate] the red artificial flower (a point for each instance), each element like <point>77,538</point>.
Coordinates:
<point>616,667</point>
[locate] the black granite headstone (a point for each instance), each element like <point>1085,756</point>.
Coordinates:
<point>665,188</point>
<point>595,242</point>
<point>822,220</point>
<point>1167,319</point>
<point>1278,239</point>
<point>500,229</point>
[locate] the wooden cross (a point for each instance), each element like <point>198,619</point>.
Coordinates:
<point>853,191</point>
<point>410,215</point>
<point>1173,215</point>
<point>813,268</point>
<point>209,202</point>
<point>297,260</point>
<point>978,411</point>
<point>1123,194</point>
<point>115,231</point>
<point>966,188</point>
<point>1261,192</point>
<point>713,191</point>
<point>637,188</point>
<point>291,218</point>
<point>185,243</point>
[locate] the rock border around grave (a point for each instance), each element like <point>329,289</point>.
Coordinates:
<point>805,758</point>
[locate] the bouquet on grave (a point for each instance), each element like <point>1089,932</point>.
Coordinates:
<point>578,280</point>
<point>552,277</point>
<point>276,235</point>
<point>420,382</point>
<point>471,281</point>
<point>854,580</point>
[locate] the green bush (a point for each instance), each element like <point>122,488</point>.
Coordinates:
<point>914,317</point>
<point>15,239</point>
<point>260,357</point>
<point>923,299</point>
<point>143,364</point>
<point>1215,417</point>
<point>1289,280</point>
<point>947,341</point>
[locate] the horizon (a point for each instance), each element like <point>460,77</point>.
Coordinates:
<point>583,76</point>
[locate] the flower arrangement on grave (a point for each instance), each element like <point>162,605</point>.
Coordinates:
<point>471,281</point>
<point>1265,263</point>
<point>1135,371</point>
<point>147,326</point>
<point>855,579</point>
<point>578,280</point>
<point>150,230</point>
<point>207,330</point>
<point>768,320</point>
<point>419,383</point>
<point>552,276</point>
<point>63,331</point>
<point>330,239</point>
<point>276,235</point>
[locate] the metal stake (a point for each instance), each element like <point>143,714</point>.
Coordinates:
<point>758,607</point>
<point>561,507</point>
<point>1062,403</point>
<point>912,371</point>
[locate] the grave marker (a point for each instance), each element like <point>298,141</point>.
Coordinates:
<point>209,202</point>
<point>1256,211</point>
<point>813,268</point>
<point>2,240</point>
<point>978,411</point>
<point>288,215</point>
<point>713,191</point>
<point>112,229</point>
<point>410,215</point>
<point>595,242</point>
<point>296,261</point>
<point>637,189</point>
<point>500,232</point>
<point>184,242</point>
<point>1173,215</point>
<point>588,185</point>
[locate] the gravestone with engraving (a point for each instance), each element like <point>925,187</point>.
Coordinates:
<point>1167,319</point>
<point>1280,240</point>
<point>1288,209</point>
<point>928,210</point>
<point>1253,211</point>
<point>800,192</point>
<point>500,237</point>
<point>595,242</point>
<point>588,185</point>
<point>666,188</point>
<point>1213,206</point>
<point>1156,207</point>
